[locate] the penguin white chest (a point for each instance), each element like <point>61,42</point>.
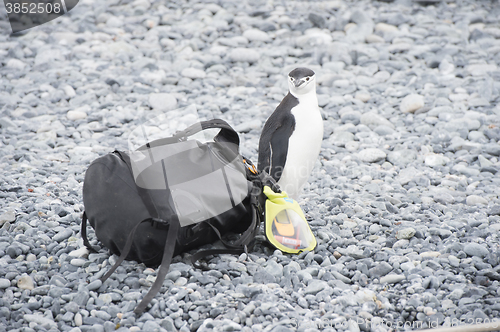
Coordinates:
<point>303,147</point>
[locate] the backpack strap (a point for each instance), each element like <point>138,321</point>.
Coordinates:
<point>226,135</point>
<point>245,238</point>
<point>168,252</point>
<point>84,234</point>
<point>124,252</point>
<point>209,252</point>
<point>237,247</point>
<point>165,263</point>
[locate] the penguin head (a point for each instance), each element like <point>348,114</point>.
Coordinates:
<point>301,81</point>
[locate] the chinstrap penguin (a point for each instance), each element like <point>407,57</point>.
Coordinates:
<point>291,138</point>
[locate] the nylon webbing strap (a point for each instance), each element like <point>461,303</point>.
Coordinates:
<point>227,134</point>
<point>204,253</point>
<point>173,229</point>
<point>124,253</point>
<point>84,234</point>
<point>237,247</point>
<point>168,251</point>
<point>268,180</point>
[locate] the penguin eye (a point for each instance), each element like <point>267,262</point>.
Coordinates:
<point>291,79</point>
<point>307,78</point>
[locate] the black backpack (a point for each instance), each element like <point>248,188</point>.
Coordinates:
<point>141,213</point>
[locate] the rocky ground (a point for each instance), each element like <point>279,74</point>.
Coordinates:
<point>404,200</point>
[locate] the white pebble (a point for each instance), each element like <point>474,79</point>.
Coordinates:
<point>256,35</point>
<point>241,54</point>
<point>481,69</point>
<point>162,101</point>
<point>432,254</point>
<point>406,233</point>
<point>476,200</point>
<point>15,64</point>
<point>411,103</point>
<point>384,27</point>
<point>193,73</point>
<point>76,115</point>
<point>427,200</point>
<point>77,262</point>
<point>8,216</point>
<point>373,39</point>
<point>114,22</point>
<point>434,160</point>
<point>78,319</point>
<point>352,146</point>
<point>371,155</point>
<point>106,298</point>
<point>403,243</point>
<point>69,91</point>
<point>25,282</point>
<point>81,252</point>
<point>341,83</point>
<point>392,278</point>
<point>363,96</point>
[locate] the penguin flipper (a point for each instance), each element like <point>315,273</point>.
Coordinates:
<point>264,159</point>
<point>279,148</point>
<point>273,144</point>
<point>273,148</point>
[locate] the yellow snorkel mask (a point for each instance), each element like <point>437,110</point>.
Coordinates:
<point>286,226</point>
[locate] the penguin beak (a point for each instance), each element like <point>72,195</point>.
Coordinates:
<point>298,83</point>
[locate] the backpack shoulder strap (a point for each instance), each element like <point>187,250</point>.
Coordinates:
<point>168,252</point>
<point>226,135</point>
<point>83,233</point>
<point>209,252</point>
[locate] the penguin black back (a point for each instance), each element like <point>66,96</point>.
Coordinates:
<point>273,143</point>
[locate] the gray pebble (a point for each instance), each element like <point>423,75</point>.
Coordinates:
<point>494,210</point>
<point>63,235</point>
<point>94,285</point>
<point>384,130</point>
<point>380,270</point>
<point>4,283</point>
<point>40,320</point>
<point>315,286</point>
<point>476,249</point>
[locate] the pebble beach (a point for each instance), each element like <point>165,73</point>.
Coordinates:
<point>403,201</point>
